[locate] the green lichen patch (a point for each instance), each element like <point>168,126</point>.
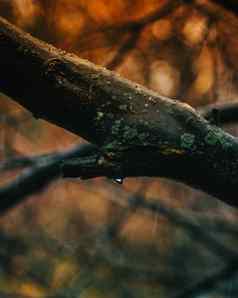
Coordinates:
<point>215,137</point>
<point>187,141</point>
<point>212,138</point>
<point>143,136</point>
<point>129,133</point>
<point>116,127</point>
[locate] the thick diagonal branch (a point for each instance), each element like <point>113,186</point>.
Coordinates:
<point>143,132</point>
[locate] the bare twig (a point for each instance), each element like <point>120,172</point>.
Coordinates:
<point>199,231</point>
<point>41,172</point>
<point>208,282</point>
<point>220,113</point>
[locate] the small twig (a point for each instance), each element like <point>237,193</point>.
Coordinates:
<point>220,113</point>
<point>190,226</point>
<point>230,5</point>
<point>124,50</point>
<point>208,282</point>
<point>17,162</point>
<point>43,171</point>
<point>199,233</point>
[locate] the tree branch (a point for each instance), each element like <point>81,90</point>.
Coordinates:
<point>43,170</point>
<point>230,5</point>
<point>220,113</point>
<point>209,282</point>
<point>142,132</point>
<point>200,232</point>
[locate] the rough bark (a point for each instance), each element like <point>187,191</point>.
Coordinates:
<point>140,132</point>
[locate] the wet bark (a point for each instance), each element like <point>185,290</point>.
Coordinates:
<point>139,132</point>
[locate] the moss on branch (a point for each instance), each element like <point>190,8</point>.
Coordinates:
<point>143,132</point>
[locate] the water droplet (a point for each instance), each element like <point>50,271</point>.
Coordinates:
<point>118,180</point>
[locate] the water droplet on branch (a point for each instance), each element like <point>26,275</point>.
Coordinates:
<point>118,180</point>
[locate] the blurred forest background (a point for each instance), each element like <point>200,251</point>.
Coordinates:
<point>55,244</point>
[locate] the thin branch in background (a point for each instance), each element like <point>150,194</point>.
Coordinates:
<point>124,50</point>
<point>16,162</point>
<point>228,255</point>
<point>135,29</point>
<point>133,26</point>
<point>43,171</point>
<point>221,113</point>
<point>200,234</point>
<point>209,282</point>
<point>197,230</point>
<point>230,5</point>
<point>216,223</point>
<point>111,231</point>
<point>194,229</point>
